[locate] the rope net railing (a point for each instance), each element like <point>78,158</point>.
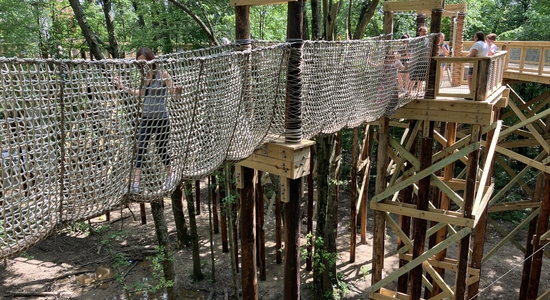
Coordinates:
<point>80,138</point>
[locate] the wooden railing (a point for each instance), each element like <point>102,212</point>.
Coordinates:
<point>486,78</point>
<point>526,61</point>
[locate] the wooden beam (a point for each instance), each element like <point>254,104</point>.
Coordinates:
<point>523,159</point>
<point>412,5</point>
<point>426,172</point>
<point>432,214</point>
<point>417,261</point>
<point>518,205</point>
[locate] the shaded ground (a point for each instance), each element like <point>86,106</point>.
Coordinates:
<point>44,267</point>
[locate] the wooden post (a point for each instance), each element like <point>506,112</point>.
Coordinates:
<point>435,26</point>
<point>247,232</point>
<point>278,237</point>
<point>458,45</point>
<point>260,241</point>
<point>215,204</point>
<point>436,200</point>
<point>467,205</point>
<point>379,225</point>
<point>224,207</point>
<point>445,203</point>
<point>405,221</point>
<point>198,197</point>
<point>420,225</point>
<point>337,163</point>
<point>142,213</point>
<point>542,227</point>
<point>420,21</point>
<point>365,153</point>
<point>310,199</point>
<point>293,134</point>
<point>481,227</point>
<point>482,79</point>
<point>353,196</point>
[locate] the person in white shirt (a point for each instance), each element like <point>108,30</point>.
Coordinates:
<point>479,49</point>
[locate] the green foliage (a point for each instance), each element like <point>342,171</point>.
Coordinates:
<point>365,271</point>
<point>159,281</point>
<point>26,256</point>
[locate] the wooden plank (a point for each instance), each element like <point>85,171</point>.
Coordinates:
<point>447,264</point>
<point>411,139</point>
<point>450,105</point>
<point>238,176</point>
<point>432,214</point>
<point>257,2</point>
<point>439,165</point>
<point>488,162</point>
<point>450,10</point>
<point>536,134</point>
<point>417,261</point>
<point>482,118</point>
<point>518,205</point>
<point>386,294</point>
<point>447,190</point>
<point>412,5</point>
<point>285,189</point>
<point>523,159</point>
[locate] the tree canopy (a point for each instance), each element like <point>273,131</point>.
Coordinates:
<point>49,28</point>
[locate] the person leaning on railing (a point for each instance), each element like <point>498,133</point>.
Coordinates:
<point>443,51</point>
<point>479,49</point>
<point>491,38</point>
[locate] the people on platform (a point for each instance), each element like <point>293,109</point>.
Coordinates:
<point>491,38</point>
<point>418,75</point>
<point>479,49</point>
<point>443,51</point>
<point>405,54</point>
<point>154,114</point>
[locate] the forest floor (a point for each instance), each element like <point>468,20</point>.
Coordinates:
<point>52,267</point>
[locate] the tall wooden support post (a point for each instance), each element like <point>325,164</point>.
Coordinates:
<point>215,204</point>
<point>420,21</point>
<point>249,282</point>
<point>260,240</point>
<point>542,227</point>
<point>247,232</point>
<point>198,197</point>
<point>435,26</point>
<point>445,203</point>
<point>458,45</point>
<point>224,209</point>
<point>379,226</point>
<point>364,192</point>
<point>293,134</point>
<point>353,196</point>
<point>278,224</point>
<point>405,221</point>
<point>481,227</point>
<point>467,205</point>
<point>420,225</point>
<point>310,199</point>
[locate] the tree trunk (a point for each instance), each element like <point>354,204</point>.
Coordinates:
<point>209,32</point>
<point>322,275</point>
<point>89,35</point>
<point>197,273</point>
<point>367,11</point>
<point>179,218</point>
<point>316,20</point>
<point>162,235</point>
<point>110,24</point>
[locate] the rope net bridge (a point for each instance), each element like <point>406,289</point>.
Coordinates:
<point>75,145</point>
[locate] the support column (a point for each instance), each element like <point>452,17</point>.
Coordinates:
<point>420,21</point>
<point>420,225</point>
<point>379,225</point>
<point>458,45</point>
<point>293,134</point>
<point>469,196</point>
<point>435,26</point>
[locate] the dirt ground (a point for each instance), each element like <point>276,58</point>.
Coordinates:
<point>74,264</point>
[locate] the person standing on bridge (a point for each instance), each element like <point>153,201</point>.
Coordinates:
<point>154,114</point>
<point>418,75</point>
<point>479,49</point>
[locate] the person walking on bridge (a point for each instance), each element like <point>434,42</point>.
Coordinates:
<point>154,115</point>
<point>479,49</point>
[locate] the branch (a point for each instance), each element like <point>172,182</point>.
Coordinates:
<point>204,27</point>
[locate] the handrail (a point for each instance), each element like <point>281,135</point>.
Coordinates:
<point>486,78</point>
<point>526,60</point>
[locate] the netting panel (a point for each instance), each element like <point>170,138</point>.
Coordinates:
<point>79,138</point>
